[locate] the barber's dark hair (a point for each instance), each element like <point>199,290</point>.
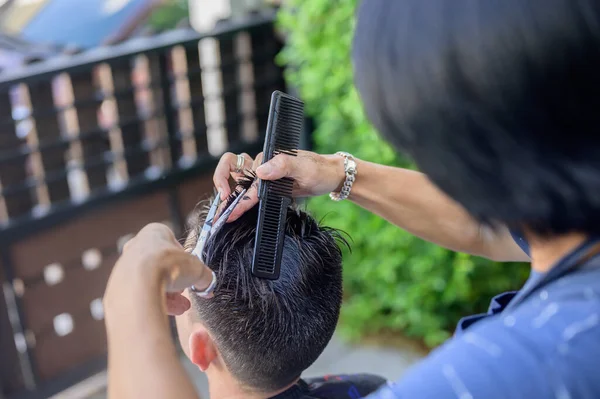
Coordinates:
<point>268,332</point>
<point>498,102</point>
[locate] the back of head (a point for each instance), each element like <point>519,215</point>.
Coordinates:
<point>268,332</point>
<point>496,101</point>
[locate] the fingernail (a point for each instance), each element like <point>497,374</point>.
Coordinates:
<point>264,170</point>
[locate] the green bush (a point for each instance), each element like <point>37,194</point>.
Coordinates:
<point>393,281</point>
<point>168,15</point>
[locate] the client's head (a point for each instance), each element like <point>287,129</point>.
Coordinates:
<point>263,334</point>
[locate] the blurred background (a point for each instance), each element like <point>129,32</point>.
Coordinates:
<point>113,114</point>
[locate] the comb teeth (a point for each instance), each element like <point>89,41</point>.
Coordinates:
<point>268,247</point>
<point>282,187</point>
<point>284,128</point>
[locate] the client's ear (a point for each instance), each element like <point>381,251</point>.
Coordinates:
<point>202,349</point>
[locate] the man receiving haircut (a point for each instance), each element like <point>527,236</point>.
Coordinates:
<point>255,337</point>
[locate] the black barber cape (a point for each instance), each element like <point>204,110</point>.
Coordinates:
<point>334,387</point>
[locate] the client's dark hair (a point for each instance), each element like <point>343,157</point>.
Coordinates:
<point>498,102</point>
<point>269,332</point>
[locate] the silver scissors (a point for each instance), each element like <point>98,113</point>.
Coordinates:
<point>209,228</point>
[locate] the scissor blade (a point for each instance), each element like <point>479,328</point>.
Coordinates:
<point>206,228</point>
<point>226,213</point>
<point>213,209</point>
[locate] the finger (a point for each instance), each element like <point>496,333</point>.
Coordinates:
<point>222,173</point>
<point>248,162</point>
<point>281,165</point>
<point>177,304</point>
<point>157,231</point>
<point>161,230</point>
<point>257,161</point>
<point>247,202</point>
<point>186,270</point>
<point>251,197</point>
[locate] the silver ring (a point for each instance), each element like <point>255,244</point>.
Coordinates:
<point>239,165</point>
<point>208,292</point>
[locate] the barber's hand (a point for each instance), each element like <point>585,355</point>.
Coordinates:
<point>155,258</point>
<point>313,175</point>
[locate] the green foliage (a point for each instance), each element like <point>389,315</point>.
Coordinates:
<point>168,15</point>
<point>393,281</point>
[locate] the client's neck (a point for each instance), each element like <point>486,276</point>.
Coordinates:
<point>222,385</point>
<point>546,252</point>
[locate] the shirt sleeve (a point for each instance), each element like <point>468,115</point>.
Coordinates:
<point>493,360</point>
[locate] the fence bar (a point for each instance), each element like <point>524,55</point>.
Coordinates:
<point>246,82</point>
<point>192,55</point>
<point>170,113</point>
<point>48,129</point>
<point>85,90</point>
<point>13,172</point>
<point>264,41</point>
<point>229,78</point>
<point>161,125</point>
<point>131,135</point>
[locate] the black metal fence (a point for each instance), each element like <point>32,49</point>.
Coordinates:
<point>92,147</point>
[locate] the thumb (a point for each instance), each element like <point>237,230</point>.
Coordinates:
<point>189,271</point>
<point>281,165</point>
<point>177,304</point>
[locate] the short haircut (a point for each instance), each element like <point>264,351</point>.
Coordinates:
<point>269,331</point>
<point>498,102</point>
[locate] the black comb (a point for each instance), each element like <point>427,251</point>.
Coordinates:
<point>284,128</point>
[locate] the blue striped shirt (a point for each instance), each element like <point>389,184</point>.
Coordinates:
<point>546,346</point>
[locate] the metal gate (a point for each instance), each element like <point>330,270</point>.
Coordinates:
<point>92,147</point>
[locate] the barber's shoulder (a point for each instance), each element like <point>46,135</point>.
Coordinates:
<point>556,330</point>
<point>547,315</point>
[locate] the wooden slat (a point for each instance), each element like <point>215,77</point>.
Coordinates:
<point>55,355</point>
<point>48,130</point>
<point>72,295</point>
<point>132,133</point>
<point>13,172</point>
<point>229,70</point>
<point>84,93</point>
<point>179,108</point>
<point>246,96</point>
<point>100,229</point>
<point>263,40</point>
<point>157,127</point>
<point>192,55</point>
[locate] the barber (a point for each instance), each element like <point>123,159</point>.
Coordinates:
<point>497,103</point>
